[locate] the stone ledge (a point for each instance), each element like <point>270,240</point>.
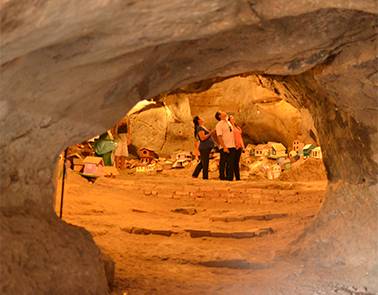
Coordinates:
<point>195,233</point>
<point>249,217</point>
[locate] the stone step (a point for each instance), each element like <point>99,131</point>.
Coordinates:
<point>186,211</point>
<point>146,231</point>
<point>261,217</point>
<point>194,233</point>
<point>233,235</point>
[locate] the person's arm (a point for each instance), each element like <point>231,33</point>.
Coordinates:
<point>214,137</point>
<point>221,142</point>
<point>203,136</point>
<point>196,150</point>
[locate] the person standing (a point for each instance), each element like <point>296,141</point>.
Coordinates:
<point>226,141</point>
<point>239,145</point>
<point>222,160</point>
<point>123,136</point>
<point>205,146</point>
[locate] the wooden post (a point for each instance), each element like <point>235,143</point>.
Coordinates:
<point>63,180</point>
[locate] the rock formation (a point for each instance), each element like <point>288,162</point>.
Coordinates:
<point>70,69</point>
<point>164,127</point>
<point>260,107</point>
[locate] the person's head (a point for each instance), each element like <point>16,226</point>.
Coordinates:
<point>231,118</point>
<point>197,121</point>
<point>223,116</point>
<point>220,115</point>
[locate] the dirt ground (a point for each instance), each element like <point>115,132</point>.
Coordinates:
<point>171,234</point>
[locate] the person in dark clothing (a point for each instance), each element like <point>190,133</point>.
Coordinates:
<point>239,145</point>
<point>205,146</point>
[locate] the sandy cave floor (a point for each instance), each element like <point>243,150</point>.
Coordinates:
<point>117,210</point>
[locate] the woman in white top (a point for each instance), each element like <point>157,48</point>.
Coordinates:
<point>123,136</point>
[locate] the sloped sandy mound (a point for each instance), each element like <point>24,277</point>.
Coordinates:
<point>305,170</point>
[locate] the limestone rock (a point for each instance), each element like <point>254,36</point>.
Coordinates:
<point>38,254</point>
<point>164,127</point>
<point>151,126</point>
<point>109,267</point>
<point>260,108</point>
<point>70,70</point>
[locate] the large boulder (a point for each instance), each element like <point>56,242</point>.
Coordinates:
<point>164,127</point>
<point>260,108</point>
<point>47,256</point>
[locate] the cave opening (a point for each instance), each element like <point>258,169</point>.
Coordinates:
<point>68,69</point>
<point>153,219</point>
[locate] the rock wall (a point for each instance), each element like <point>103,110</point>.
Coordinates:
<point>164,127</point>
<point>259,105</point>
<point>342,96</point>
<point>70,69</point>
